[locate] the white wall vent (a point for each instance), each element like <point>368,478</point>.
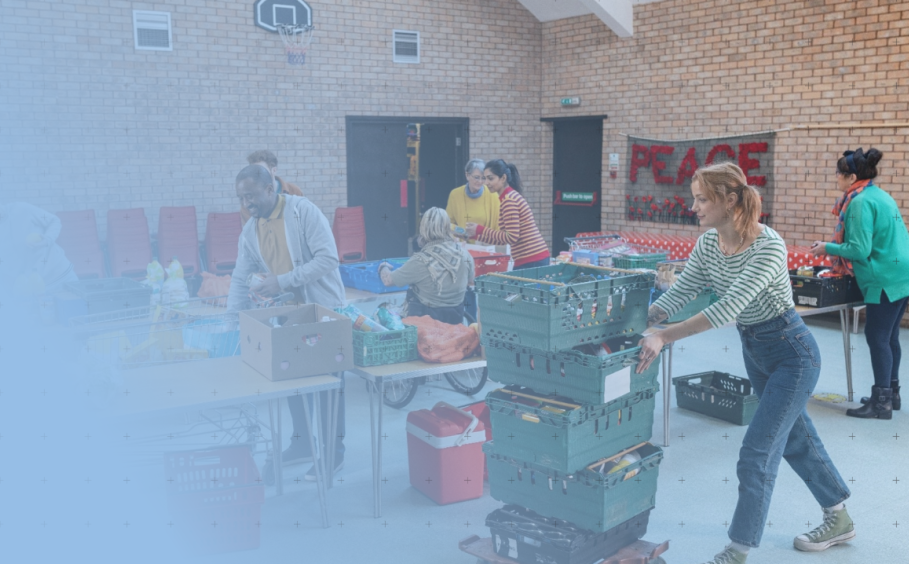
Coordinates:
<point>152,30</point>
<point>406,46</point>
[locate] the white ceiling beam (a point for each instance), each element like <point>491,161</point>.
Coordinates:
<point>618,15</point>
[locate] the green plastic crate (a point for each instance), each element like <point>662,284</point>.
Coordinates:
<point>646,257</point>
<point>573,374</point>
<point>387,347</point>
<point>701,301</point>
<point>586,498</point>
<point>525,428</point>
<point>554,318</point>
<point>717,394</point>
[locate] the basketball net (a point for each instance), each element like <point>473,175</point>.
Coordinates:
<point>296,39</point>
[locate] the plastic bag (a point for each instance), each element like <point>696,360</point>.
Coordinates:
<point>441,342</point>
<point>174,290</point>
<point>213,286</point>
<point>154,279</point>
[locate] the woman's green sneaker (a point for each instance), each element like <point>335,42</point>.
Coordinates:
<point>729,556</point>
<point>836,529</point>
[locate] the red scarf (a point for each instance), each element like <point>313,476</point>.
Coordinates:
<point>840,265</point>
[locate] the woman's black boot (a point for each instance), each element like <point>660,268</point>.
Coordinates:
<point>895,386</point>
<point>879,406</point>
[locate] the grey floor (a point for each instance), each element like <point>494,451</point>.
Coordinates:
<point>694,500</point>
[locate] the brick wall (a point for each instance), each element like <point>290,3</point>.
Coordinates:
<point>698,68</point>
<point>87,121</point>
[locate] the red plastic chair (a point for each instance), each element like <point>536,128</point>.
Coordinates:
<point>128,242</point>
<point>79,240</point>
<point>178,236</point>
<point>222,237</point>
<point>349,230</point>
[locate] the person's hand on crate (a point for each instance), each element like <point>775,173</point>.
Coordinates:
<point>385,274</point>
<point>819,248</point>
<point>651,345</point>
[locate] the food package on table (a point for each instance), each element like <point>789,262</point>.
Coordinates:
<point>666,276</point>
<point>388,317</point>
<point>441,342</point>
<point>360,321</point>
<point>215,286</point>
<point>154,279</point>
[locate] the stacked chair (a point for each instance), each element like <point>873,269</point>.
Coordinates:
<point>569,454</point>
<point>79,240</point>
<point>222,235</point>
<point>349,229</point>
<point>128,243</point>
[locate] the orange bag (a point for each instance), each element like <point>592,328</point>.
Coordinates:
<point>441,342</point>
<point>213,285</point>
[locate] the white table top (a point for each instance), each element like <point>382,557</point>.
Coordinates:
<point>206,384</point>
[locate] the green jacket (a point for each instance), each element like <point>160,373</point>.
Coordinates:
<point>877,243</point>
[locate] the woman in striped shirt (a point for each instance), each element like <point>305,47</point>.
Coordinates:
<point>745,262</point>
<point>516,224</point>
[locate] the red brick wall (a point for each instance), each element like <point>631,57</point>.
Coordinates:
<point>698,68</point>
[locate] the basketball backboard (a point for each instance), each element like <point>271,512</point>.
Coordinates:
<point>271,13</point>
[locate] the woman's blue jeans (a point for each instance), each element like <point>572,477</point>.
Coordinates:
<point>783,362</point>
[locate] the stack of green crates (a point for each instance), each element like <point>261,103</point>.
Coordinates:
<point>564,411</point>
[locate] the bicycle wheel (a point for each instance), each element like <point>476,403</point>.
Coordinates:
<point>399,392</point>
<point>467,382</point>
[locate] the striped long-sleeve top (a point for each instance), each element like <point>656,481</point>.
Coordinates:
<point>753,285</point>
<point>516,228</point>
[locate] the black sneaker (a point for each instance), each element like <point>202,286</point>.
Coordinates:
<point>311,473</point>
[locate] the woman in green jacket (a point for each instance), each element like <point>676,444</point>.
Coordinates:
<point>871,242</point>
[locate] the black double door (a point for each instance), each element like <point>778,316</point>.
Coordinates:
<point>380,175</point>
<point>577,165</point>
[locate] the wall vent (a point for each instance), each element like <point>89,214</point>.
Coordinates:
<point>152,30</point>
<point>406,46</point>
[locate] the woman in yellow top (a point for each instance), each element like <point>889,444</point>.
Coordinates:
<point>473,202</point>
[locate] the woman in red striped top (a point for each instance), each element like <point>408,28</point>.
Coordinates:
<point>516,224</point>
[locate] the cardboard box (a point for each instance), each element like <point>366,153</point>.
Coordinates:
<point>292,342</point>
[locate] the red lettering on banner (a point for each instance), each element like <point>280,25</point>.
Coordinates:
<point>687,167</point>
<point>640,157</point>
<point>746,163</point>
<point>657,165</point>
<point>717,149</point>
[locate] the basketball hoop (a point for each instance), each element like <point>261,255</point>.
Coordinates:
<point>296,39</point>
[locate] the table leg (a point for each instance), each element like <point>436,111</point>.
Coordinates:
<point>381,399</point>
<point>279,462</point>
<point>667,380</point>
<point>333,398</point>
<point>373,437</point>
<point>275,442</point>
<point>847,349</point>
<point>319,461</point>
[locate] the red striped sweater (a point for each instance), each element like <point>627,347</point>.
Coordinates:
<point>516,228</point>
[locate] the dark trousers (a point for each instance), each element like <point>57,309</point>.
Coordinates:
<point>882,331</point>
<point>298,414</point>
<point>452,315</point>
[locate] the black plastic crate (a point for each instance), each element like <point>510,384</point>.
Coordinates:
<point>812,291</point>
<point>717,394</point>
<point>530,538</point>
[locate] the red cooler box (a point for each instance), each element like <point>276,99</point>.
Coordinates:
<point>445,452</point>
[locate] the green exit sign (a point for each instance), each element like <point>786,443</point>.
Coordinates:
<point>571,101</point>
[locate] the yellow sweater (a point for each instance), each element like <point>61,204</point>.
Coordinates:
<point>483,210</point>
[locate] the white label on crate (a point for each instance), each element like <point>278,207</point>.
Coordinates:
<point>805,300</point>
<point>512,548</point>
<point>617,384</point>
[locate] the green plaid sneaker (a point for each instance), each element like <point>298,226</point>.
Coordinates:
<point>837,528</point>
<point>729,556</point>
